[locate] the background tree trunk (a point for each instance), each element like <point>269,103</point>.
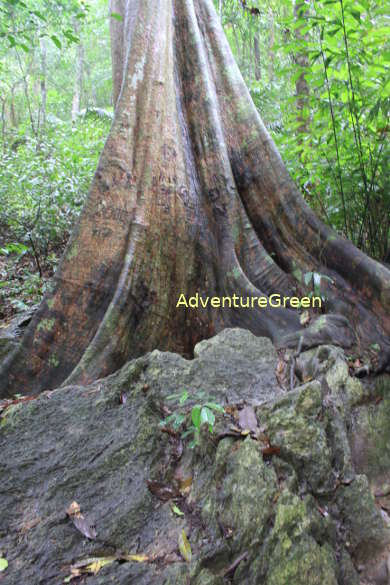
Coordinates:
<point>271,64</point>
<point>256,45</point>
<point>301,85</point>
<point>42,120</point>
<point>117,46</point>
<point>190,195</point>
<point>78,84</point>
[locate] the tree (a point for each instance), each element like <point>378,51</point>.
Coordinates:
<point>190,195</point>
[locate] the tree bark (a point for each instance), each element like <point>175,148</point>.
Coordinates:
<point>190,195</point>
<point>42,117</point>
<point>118,50</point>
<point>301,85</point>
<point>271,62</point>
<point>256,46</point>
<point>78,83</point>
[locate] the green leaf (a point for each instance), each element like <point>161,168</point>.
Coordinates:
<point>332,32</point>
<point>56,41</point>
<point>196,416</point>
<point>116,15</point>
<point>207,416</point>
<point>214,406</point>
<point>3,564</point>
<point>38,14</point>
<point>177,511</point>
<point>183,397</point>
<point>71,37</point>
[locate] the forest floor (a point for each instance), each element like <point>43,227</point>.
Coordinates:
<point>21,284</point>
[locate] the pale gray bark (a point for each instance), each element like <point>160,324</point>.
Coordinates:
<point>78,85</point>
<point>42,117</point>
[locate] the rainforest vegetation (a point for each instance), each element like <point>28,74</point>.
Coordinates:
<point>318,73</point>
<point>159,150</point>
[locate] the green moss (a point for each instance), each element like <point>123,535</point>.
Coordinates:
<point>293,424</point>
<point>297,274</point>
<point>53,361</point>
<point>73,251</point>
<point>46,324</point>
<point>295,557</point>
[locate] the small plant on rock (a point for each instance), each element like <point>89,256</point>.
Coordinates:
<point>200,414</point>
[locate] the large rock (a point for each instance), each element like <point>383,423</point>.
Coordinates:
<point>289,503</point>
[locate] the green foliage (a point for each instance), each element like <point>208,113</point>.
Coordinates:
<point>314,279</point>
<point>339,138</point>
<point>43,185</point>
<point>322,86</point>
<point>191,421</point>
<point>22,24</point>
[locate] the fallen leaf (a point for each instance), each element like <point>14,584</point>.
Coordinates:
<point>185,547</point>
<point>281,372</point>
<point>85,528</point>
<point>136,558</point>
<point>247,419</point>
<point>304,318</point>
<point>90,566</point>
<point>95,567</point>
<point>234,429</point>
<point>231,410</point>
<point>177,511</point>
<point>270,450</point>
<point>74,574</point>
<point>162,491</point>
<point>80,522</point>
<point>73,509</point>
<point>185,485</point>
<point>169,431</point>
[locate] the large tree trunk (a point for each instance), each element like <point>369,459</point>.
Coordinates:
<point>190,195</point>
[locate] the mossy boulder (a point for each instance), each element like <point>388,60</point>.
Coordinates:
<point>287,503</point>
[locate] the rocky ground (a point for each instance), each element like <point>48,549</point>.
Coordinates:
<point>291,487</point>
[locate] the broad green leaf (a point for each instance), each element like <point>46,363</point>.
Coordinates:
<point>196,416</point>
<point>207,416</point>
